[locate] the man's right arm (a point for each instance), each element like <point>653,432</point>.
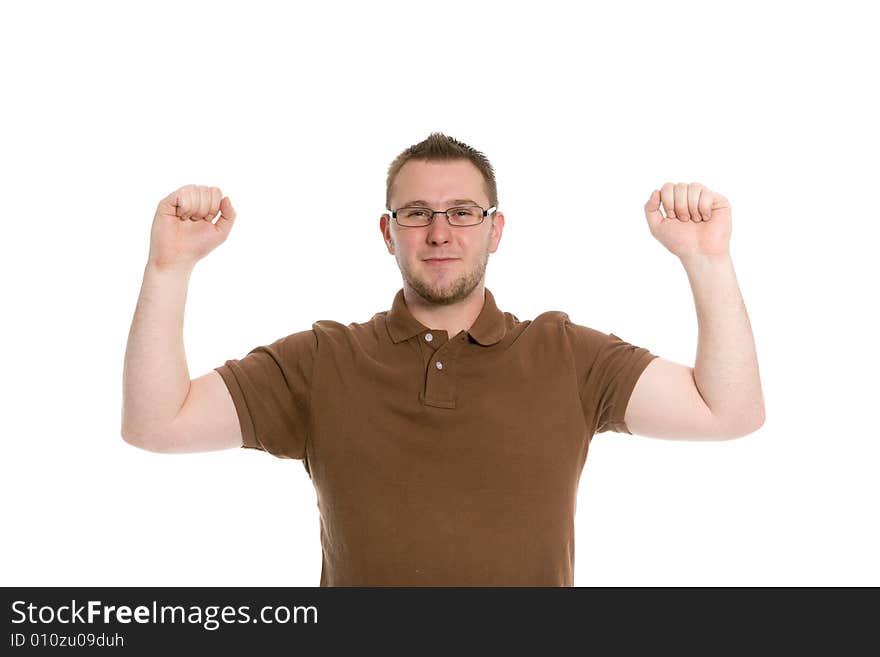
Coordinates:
<point>163,411</point>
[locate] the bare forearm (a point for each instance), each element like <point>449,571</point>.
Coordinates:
<point>726,370</point>
<point>155,377</point>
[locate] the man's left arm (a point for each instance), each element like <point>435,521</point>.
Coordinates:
<point>720,397</point>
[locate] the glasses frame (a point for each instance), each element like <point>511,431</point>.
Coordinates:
<point>486,213</point>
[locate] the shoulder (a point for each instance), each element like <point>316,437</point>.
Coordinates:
<point>294,345</point>
<point>329,327</point>
<point>584,341</point>
<point>560,321</point>
<point>556,322</point>
<point>556,326</point>
<point>331,334</point>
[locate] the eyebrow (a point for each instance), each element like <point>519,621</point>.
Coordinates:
<point>454,201</point>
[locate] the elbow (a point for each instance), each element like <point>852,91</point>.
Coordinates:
<point>748,428</point>
<point>136,440</point>
<point>131,439</point>
<point>759,421</point>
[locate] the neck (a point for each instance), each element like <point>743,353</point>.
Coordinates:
<point>452,318</point>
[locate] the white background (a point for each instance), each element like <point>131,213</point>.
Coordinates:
<point>296,113</point>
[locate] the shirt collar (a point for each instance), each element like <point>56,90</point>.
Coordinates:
<point>488,328</point>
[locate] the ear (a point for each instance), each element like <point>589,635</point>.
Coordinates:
<point>497,229</point>
<point>385,222</point>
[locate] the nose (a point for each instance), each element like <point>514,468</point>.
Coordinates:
<point>439,230</point>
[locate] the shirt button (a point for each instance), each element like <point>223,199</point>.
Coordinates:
<point>439,365</point>
<point>428,337</point>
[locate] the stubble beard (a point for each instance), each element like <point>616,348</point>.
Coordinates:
<point>438,290</point>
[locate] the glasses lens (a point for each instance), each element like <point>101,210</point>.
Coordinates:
<point>466,216</point>
<point>413,216</point>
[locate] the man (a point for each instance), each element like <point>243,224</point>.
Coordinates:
<point>444,437</point>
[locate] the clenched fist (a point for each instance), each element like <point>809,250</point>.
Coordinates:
<point>183,232</point>
<point>697,221</point>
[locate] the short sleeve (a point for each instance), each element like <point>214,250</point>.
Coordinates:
<point>271,389</point>
<point>607,371</point>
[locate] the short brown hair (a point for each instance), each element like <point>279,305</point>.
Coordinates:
<point>440,148</point>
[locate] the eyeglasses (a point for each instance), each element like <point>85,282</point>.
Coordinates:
<point>468,215</point>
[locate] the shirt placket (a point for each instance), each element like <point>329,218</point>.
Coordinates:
<point>440,355</point>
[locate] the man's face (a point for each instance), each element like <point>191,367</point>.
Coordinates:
<point>440,186</point>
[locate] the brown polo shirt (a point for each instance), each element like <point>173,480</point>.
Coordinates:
<point>438,460</point>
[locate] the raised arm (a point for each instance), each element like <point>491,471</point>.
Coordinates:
<point>158,396</point>
<point>720,397</point>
